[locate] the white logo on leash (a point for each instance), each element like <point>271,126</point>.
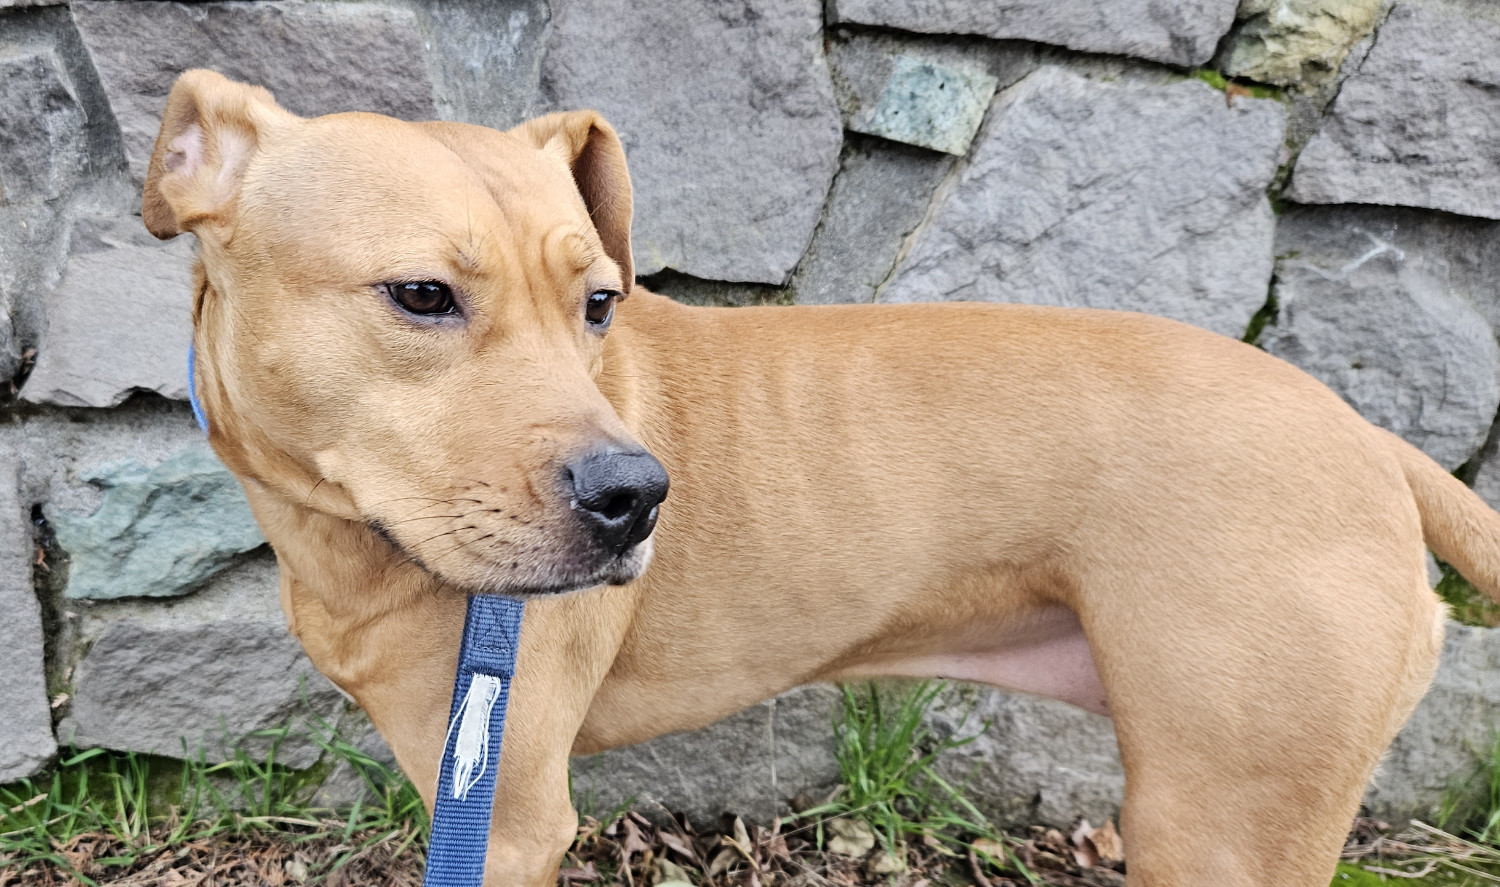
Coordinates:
<point>471,751</point>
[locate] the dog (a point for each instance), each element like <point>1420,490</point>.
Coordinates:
<point>421,349</point>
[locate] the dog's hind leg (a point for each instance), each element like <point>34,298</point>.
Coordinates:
<point>1248,727</point>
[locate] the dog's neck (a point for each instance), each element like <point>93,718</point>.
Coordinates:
<point>339,582</point>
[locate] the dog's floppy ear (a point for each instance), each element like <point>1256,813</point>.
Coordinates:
<point>593,152</point>
<point>211,128</point>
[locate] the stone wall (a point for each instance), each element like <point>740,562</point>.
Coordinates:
<point>1337,198</point>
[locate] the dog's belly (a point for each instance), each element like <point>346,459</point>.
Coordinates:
<point>1051,658</point>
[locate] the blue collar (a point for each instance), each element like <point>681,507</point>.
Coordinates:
<point>476,725</point>
<point>198,413</point>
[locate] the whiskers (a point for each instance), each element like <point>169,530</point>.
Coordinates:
<point>472,520</point>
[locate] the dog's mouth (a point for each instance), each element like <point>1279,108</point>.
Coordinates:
<point>563,572</point>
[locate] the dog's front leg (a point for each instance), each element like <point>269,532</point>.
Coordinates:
<point>560,664</point>
<point>563,658</point>
<point>566,649</point>
<point>395,649</point>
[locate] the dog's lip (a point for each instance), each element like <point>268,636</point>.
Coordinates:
<point>614,571</point>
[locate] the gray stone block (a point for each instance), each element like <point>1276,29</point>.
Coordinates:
<point>160,531</point>
<point>33,254</point>
<point>863,61</point>
<point>43,142</point>
<point>880,196</point>
<point>1487,475</point>
<point>1407,125</point>
<point>200,684</point>
<point>728,120</point>
<point>1296,42</point>
<point>749,764</point>
<point>1373,303</point>
<point>485,57</point>
<point>26,728</point>
<point>1139,196</point>
<point>929,105</point>
<point>57,138</point>
<point>1451,730</point>
<point>57,449</point>
<point>1181,33</point>
<point>10,347</point>
<point>120,321</point>
<point>1039,760</point>
<point>317,58</point>
<point>195,666</point>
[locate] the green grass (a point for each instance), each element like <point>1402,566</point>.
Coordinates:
<point>887,760</point>
<point>1254,90</point>
<point>1263,317</point>
<point>141,805</point>
<point>1354,876</point>
<point>1471,806</point>
<point>1469,605</point>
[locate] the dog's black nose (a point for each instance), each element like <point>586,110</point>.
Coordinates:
<point>617,494</point>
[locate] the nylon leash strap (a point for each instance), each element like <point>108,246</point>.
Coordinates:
<point>471,750</point>
<point>476,724</point>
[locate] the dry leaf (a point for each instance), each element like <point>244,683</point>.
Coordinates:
<point>741,842</point>
<point>775,847</point>
<point>585,872</point>
<point>886,863</point>
<point>722,861</point>
<point>1107,844</point>
<point>679,845</point>
<point>993,849</point>
<point>1083,852</point>
<point>850,837</point>
<point>669,873</point>
<point>633,843</point>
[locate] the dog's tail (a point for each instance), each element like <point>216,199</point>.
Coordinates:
<point>1456,524</point>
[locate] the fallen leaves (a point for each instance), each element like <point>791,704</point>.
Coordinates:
<point>252,858</point>
<point>850,837</point>
<point>1096,846</point>
<point>635,851</point>
<point>1085,856</point>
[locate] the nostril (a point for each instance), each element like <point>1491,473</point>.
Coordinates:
<point>619,505</point>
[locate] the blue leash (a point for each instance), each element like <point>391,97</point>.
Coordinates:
<point>476,725</point>
<point>471,751</point>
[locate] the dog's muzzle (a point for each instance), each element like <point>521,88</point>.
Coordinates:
<point>617,496</point>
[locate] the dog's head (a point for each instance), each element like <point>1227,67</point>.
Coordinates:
<point>403,324</point>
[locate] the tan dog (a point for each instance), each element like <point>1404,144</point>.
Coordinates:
<point>406,352</point>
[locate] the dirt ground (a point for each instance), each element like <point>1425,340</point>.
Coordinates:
<point>635,852</point>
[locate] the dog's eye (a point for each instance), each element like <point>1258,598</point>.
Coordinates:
<point>425,297</point>
<point>600,308</point>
